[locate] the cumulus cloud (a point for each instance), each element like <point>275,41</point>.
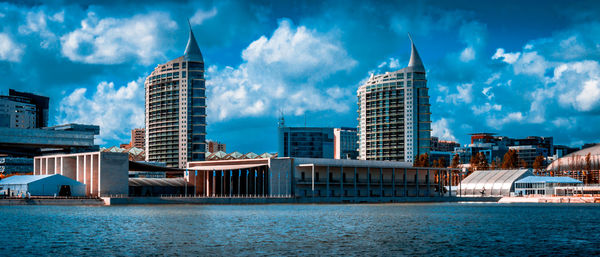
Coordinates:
<point>506,57</point>
<point>202,15</point>
<point>39,22</point>
<point>115,109</point>
<point>115,40</point>
<point>494,122</point>
<point>441,129</point>
<point>281,72</point>
<point>9,49</point>
<point>464,94</point>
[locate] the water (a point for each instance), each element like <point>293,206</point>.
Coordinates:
<point>386,229</point>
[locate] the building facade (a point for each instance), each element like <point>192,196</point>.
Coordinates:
<point>17,112</point>
<point>394,114</point>
<point>443,145</point>
<point>176,109</point>
<point>213,146</point>
<point>345,141</point>
<point>307,142</point>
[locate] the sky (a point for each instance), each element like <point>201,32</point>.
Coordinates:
<point>516,68</point>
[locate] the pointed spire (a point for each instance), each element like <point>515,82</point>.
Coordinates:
<point>415,59</point>
<point>192,51</point>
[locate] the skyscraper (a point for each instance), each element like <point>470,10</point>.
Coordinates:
<point>393,114</point>
<point>176,109</point>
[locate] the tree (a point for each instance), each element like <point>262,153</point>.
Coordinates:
<point>493,166</point>
<point>425,160</point>
<point>483,163</point>
<point>455,161</point>
<point>522,163</point>
<point>474,161</point>
<point>511,160</point>
<point>442,162</point>
<point>538,164</point>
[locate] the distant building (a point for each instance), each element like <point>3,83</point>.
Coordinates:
<point>176,109</point>
<point>15,165</point>
<point>494,147</point>
<point>308,142</point>
<point>220,155</point>
<point>394,114</point>
<point>443,145</point>
<point>577,165</point>
<point>541,185</point>
<point>213,146</point>
<point>69,138</point>
<point>41,185</point>
<point>345,142</point>
<point>23,110</point>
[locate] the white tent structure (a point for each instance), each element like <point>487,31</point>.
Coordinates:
<point>41,185</point>
<point>492,182</point>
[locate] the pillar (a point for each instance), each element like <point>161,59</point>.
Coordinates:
<point>380,182</point>
<point>368,181</point>
<point>394,182</point>
<point>341,181</point>
<point>328,191</point>
<point>355,182</point>
<point>405,184</point>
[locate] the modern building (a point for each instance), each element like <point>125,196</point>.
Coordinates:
<point>69,138</point>
<point>15,165</point>
<point>583,165</point>
<point>492,182</point>
<point>443,145</point>
<point>176,109</point>
<point>41,185</point>
<point>345,143</point>
<point>214,146</point>
<point>23,110</point>
<point>394,114</point>
<point>307,142</point>
<point>103,173</point>
<point>135,154</point>
<point>316,178</point>
<point>540,185</point>
<point>138,138</point>
<point>494,147</point>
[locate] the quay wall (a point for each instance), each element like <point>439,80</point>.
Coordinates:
<point>25,201</point>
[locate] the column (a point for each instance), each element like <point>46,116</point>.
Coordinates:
<point>239,182</point>
<point>328,191</point>
<point>368,181</point>
<point>394,182</point>
<point>405,184</point>
<point>428,184</point>
<point>341,181</point>
<point>417,181</point>
<point>355,182</point>
<point>380,182</point>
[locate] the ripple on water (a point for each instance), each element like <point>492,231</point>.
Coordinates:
<point>394,229</point>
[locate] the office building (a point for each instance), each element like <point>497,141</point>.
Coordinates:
<point>393,114</point>
<point>443,145</point>
<point>213,146</point>
<point>23,110</point>
<point>307,142</point>
<point>69,138</point>
<point>176,109</point>
<point>345,141</point>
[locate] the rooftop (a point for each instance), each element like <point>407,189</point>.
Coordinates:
<point>542,179</point>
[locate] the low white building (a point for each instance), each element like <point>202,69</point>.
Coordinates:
<point>41,185</point>
<point>539,185</point>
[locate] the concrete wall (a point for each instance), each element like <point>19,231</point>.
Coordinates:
<point>102,173</point>
<point>281,174</point>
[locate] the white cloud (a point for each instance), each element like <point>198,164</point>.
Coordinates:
<point>201,15</point>
<point>281,72</point>
<point>487,107</point>
<point>9,49</point>
<point>492,78</point>
<point>115,110</point>
<point>112,40</point>
<point>509,58</point>
<point>511,117</point>
<point>464,95</point>
<point>589,97</point>
<point>38,22</point>
<point>467,55</point>
<point>441,129</point>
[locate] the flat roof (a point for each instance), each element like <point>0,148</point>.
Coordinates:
<point>542,179</point>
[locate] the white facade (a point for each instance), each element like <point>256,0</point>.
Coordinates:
<point>103,173</point>
<point>394,114</point>
<point>41,185</point>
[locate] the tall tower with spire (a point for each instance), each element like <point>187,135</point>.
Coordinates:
<point>394,118</point>
<point>176,109</point>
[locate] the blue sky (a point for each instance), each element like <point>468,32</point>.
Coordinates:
<point>516,68</point>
